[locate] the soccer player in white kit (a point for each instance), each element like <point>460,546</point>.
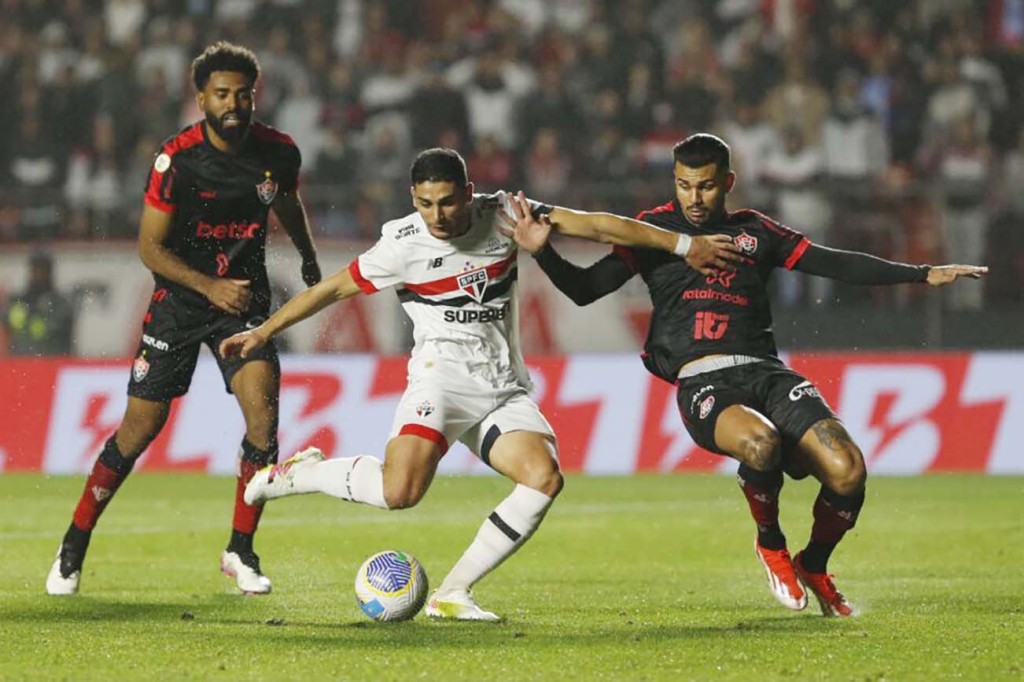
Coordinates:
<point>453,263</point>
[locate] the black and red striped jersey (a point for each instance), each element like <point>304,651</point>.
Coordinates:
<point>696,315</point>
<point>221,203</point>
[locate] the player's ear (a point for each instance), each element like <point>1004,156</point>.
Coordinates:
<point>469,192</point>
<point>412,194</point>
<point>730,181</point>
<point>200,99</point>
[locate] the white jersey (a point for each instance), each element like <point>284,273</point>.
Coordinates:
<point>460,294</point>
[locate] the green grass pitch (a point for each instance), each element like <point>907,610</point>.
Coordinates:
<point>637,578</point>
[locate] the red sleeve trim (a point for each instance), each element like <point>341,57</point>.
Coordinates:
<point>626,254</point>
<point>159,205</point>
<point>430,434</point>
<point>797,253</point>
<point>364,284</point>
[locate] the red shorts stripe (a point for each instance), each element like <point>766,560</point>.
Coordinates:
<point>425,432</point>
<point>364,284</point>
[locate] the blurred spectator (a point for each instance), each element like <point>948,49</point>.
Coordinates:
<point>798,101</point>
<point>547,169</point>
<point>964,167</point>
<point>490,166</point>
<point>300,115</point>
<point>491,95</point>
<point>549,107</point>
<point>39,320</point>
<point>797,170</point>
<point>437,107</point>
<point>854,142</point>
<point>753,141</point>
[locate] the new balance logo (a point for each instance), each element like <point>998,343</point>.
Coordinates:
<point>100,493</point>
<point>435,263</point>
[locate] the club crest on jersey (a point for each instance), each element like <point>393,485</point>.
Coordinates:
<point>746,242</point>
<point>140,368</point>
<point>474,283</point>
<point>706,406</point>
<point>424,409</point>
<point>266,190</point>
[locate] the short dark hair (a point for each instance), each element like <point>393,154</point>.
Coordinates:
<point>439,165</point>
<point>224,56</point>
<point>702,149</point>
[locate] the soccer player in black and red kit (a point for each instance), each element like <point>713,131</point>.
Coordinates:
<point>203,233</point>
<point>711,335</point>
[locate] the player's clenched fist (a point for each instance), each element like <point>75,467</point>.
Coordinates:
<point>241,344</point>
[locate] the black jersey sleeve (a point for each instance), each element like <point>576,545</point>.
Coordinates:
<point>858,268</point>
<point>584,285</point>
<point>785,245</point>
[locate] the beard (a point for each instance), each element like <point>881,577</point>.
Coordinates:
<point>231,134</point>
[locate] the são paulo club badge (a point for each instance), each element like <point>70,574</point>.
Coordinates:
<point>474,283</point>
<point>267,190</point>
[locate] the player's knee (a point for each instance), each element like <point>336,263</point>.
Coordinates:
<point>547,480</point>
<point>402,494</point>
<point>849,474</point>
<point>762,449</point>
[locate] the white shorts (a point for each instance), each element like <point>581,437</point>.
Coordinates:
<point>474,414</point>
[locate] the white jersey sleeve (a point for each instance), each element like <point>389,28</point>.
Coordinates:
<point>382,266</point>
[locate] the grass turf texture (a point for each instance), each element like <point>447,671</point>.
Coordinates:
<point>646,577</point>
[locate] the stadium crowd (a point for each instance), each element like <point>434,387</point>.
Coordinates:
<point>891,127</point>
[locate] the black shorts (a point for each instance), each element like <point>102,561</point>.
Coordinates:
<point>789,401</point>
<point>169,348</point>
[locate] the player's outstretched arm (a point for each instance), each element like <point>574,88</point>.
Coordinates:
<point>337,287</point>
<point>291,213</point>
<point>704,253</point>
<point>862,268</point>
<point>230,295</point>
<point>582,285</point>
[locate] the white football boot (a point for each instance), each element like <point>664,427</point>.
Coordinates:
<point>458,605</point>
<point>59,585</point>
<point>248,577</point>
<point>278,480</point>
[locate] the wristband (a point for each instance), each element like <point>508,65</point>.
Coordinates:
<point>682,246</point>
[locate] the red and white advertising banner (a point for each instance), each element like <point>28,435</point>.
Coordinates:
<point>909,413</point>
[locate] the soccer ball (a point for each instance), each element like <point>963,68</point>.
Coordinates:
<point>391,586</point>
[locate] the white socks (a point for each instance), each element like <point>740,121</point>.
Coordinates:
<point>356,479</point>
<point>505,530</point>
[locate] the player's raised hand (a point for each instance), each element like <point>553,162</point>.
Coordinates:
<point>944,274</point>
<point>230,295</point>
<point>311,272</point>
<point>712,252</point>
<point>241,344</point>
<point>530,233</point>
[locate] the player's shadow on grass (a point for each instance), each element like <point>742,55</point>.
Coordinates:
<point>80,609</point>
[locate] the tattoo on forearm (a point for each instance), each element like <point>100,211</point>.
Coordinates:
<point>832,434</point>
